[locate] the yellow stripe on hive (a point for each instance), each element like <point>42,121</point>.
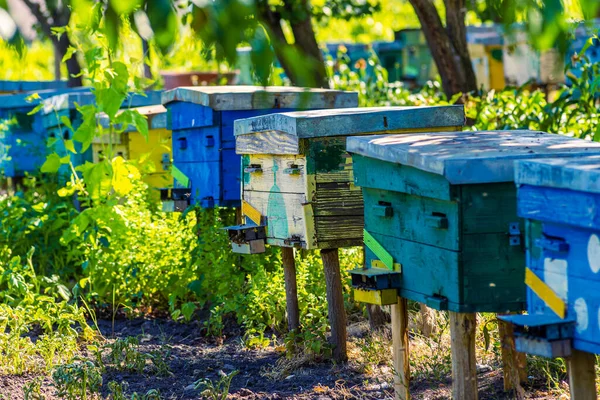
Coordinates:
<point>251,212</point>
<point>380,264</point>
<point>379,297</point>
<point>545,293</point>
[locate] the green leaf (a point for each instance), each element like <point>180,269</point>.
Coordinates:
<point>123,176</point>
<point>125,6</point>
<point>63,292</point>
<point>188,309</point>
<point>70,146</point>
<point>98,179</point>
<point>36,109</point>
<point>69,53</point>
<point>66,122</point>
<point>52,164</point>
<point>164,23</point>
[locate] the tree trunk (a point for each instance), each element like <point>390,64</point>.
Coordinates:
<point>456,76</point>
<point>146,53</point>
<point>73,67</point>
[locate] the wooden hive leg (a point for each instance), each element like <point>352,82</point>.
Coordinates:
<point>400,349</point>
<point>291,289</point>
<point>582,375</point>
<point>335,303</point>
<point>513,362</point>
<point>464,367</point>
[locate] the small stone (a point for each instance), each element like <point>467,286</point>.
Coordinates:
<point>482,368</point>
<point>289,377</point>
<point>385,385</point>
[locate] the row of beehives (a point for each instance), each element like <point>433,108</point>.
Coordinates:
<point>438,210</point>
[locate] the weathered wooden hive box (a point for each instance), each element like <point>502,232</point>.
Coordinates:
<point>22,143</point>
<point>153,152</point>
<point>297,177</point>
<point>202,118</point>
<point>441,223</point>
<point>65,105</point>
<point>560,201</point>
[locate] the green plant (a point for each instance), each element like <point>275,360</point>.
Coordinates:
<point>216,390</point>
<point>74,381</point>
<point>33,389</point>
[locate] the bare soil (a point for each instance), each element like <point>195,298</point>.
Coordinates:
<point>193,356</point>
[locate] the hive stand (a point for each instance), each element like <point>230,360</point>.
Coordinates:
<point>450,223</point>
<point>560,200</point>
<point>153,152</point>
<point>65,105</point>
<point>22,145</point>
<point>201,118</point>
<point>297,185</point>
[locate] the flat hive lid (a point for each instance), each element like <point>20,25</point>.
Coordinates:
<point>26,86</point>
<point>581,174</point>
<point>157,117</point>
<point>224,98</point>
<point>20,100</point>
<point>352,121</point>
<point>68,101</point>
<point>470,157</point>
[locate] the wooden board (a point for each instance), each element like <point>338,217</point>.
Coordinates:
<point>470,157</point>
<point>287,172</point>
<point>488,208</point>
<point>241,97</point>
<point>581,174</point>
<point>155,114</point>
<point>196,145</point>
<point>353,121</point>
<point>27,86</point>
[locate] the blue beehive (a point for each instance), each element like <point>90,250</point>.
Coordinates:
<point>22,144</point>
<point>560,200</point>
<point>65,105</point>
<point>29,86</point>
<point>201,118</point>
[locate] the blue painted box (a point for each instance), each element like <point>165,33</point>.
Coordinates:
<point>560,200</point>
<point>443,207</point>
<point>65,105</point>
<point>22,143</point>
<point>202,118</point>
<point>29,86</point>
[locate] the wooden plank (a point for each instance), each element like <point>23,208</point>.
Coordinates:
<point>183,115</point>
<point>291,289</point>
<point>270,142</point>
<point>251,212</point>
<point>464,366</point>
<point>582,173</point>
<point>400,349</point>
<point>377,174</point>
<point>197,144</point>
<point>354,121</point>
<point>409,218</point>
<point>274,171</point>
<point>514,364</point>
<point>335,303</point>
<point>539,287</point>
<point>378,297</point>
<point>380,252</point>
<point>559,205</point>
<point>582,376</point>
<point>338,199</point>
<point>284,214</point>
<point>488,208</point>
<point>340,228</point>
<point>242,97</point>
<point>470,157</point>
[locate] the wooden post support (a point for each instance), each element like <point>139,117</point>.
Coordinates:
<point>427,320</point>
<point>335,302</point>
<point>582,375</point>
<point>400,349</point>
<point>513,362</point>
<point>464,367</point>
<point>291,289</point>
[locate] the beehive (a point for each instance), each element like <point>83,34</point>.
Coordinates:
<point>202,118</point>
<point>153,153</point>
<point>22,143</point>
<point>30,86</point>
<point>441,224</point>
<point>297,176</point>
<point>65,105</point>
<point>560,200</point>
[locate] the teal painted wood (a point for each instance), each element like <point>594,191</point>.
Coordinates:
<point>470,157</point>
<point>488,208</point>
<point>353,121</point>
<point>580,174</point>
<point>28,86</point>
<point>238,98</point>
<point>377,174</point>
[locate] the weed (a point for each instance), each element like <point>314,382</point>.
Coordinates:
<point>33,390</point>
<point>74,381</point>
<point>216,390</point>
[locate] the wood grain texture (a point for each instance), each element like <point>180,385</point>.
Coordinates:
<point>514,364</point>
<point>270,142</point>
<point>291,288</point>
<point>400,349</point>
<point>581,174</point>
<point>582,375</point>
<point>470,157</point>
<point>488,208</point>
<point>258,97</point>
<point>335,303</point>
<point>354,121</point>
<point>464,367</point>
<point>274,170</point>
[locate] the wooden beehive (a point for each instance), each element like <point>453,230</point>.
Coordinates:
<point>560,200</point>
<point>441,223</point>
<point>297,176</point>
<point>202,118</point>
<point>153,152</point>
<point>29,86</point>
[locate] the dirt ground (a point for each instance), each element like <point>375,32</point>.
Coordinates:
<point>193,357</point>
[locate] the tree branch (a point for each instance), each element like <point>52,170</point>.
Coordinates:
<point>36,10</point>
<point>457,32</point>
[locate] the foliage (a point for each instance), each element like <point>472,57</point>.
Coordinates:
<point>73,381</point>
<point>26,62</point>
<point>216,390</point>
